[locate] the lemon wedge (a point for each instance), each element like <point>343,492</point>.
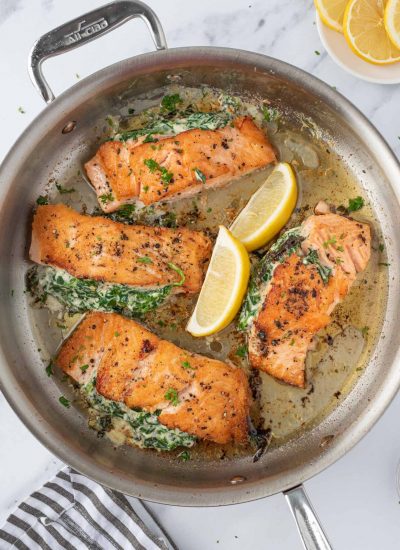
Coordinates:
<point>392,21</point>
<point>224,286</point>
<point>331,12</point>
<point>365,32</point>
<point>268,209</point>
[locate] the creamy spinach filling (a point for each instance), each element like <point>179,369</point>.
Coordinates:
<point>80,295</point>
<point>184,121</point>
<point>323,270</point>
<point>286,245</point>
<point>140,428</point>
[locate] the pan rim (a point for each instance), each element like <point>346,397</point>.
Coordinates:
<point>168,494</point>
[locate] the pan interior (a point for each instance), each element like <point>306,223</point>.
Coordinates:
<point>345,372</point>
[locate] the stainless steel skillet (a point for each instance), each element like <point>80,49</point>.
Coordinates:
<point>58,140</point>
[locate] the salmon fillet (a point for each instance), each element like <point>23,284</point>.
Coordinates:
<point>97,248</point>
<point>198,395</point>
<point>173,167</point>
<point>297,303</point>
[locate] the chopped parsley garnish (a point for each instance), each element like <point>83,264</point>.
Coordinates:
<point>317,52</point>
<point>107,197</point>
<point>169,103</point>
<point>172,396</point>
<point>21,110</point>
<point>355,204</point>
<point>166,176</point>
<point>381,247</point>
<point>63,190</point>
<point>145,260</point>
<point>270,114</point>
<point>84,368</point>
<point>149,139</point>
<point>145,188</point>
<point>340,248</point>
<point>64,401</point>
<point>49,369</point>
<point>184,455</point>
<point>364,331</point>
<point>241,351</point>
<point>199,175</point>
<point>331,240</point>
<point>153,166</point>
<point>116,333</point>
<point>42,199</point>
<point>186,365</point>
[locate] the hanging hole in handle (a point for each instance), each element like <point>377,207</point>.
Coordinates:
<point>86,28</point>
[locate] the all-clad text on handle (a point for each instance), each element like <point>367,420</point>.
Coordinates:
<point>86,28</point>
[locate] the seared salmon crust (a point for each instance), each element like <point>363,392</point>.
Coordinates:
<point>178,166</point>
<point>297,303</point>
<point>95,247</point>
<point>201,396</point>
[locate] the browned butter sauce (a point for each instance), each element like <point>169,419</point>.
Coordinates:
<point>342,349</point>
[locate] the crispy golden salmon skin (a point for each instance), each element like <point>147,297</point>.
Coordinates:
<point>297,302</point>
<point>97,248</point>
<point>174,167</point>
<point>201,396</point>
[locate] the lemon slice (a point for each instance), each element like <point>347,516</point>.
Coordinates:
<point>331,12</point>
<point>365,32</point>
<point>392,21</point>
<point>268,209</point>
<point>223,288</point>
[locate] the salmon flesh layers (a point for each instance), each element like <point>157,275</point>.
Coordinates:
<point>198,395</point>
<point>299,287</point>
<point>100,249</point>
<point>178,166</point>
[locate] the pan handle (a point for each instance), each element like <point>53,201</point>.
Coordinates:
<point>310,529</point>
<point>86,28</point>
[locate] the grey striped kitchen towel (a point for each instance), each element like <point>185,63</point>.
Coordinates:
<point>73,512</point>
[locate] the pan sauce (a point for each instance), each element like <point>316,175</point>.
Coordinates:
<point>342,349</point>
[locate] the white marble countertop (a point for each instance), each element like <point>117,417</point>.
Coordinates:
<point>356,498</point>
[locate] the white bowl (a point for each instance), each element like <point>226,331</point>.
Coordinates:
<point>337,47</point>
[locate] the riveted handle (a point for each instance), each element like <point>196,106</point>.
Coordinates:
<point>84,29</point>
<point>306,519</point>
